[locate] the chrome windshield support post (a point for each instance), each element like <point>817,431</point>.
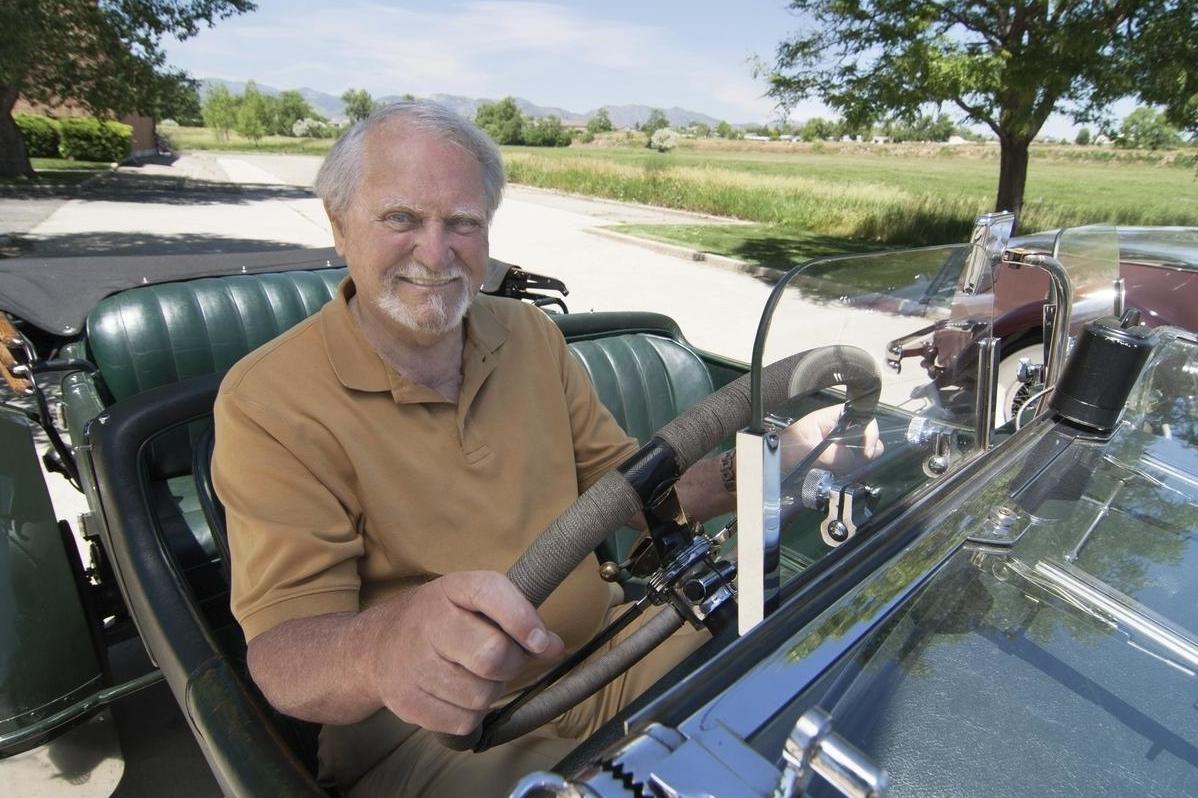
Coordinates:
<point>814,748</point>
<point>758,518</point>
<point>1058,312</point>
<point>989,350</point>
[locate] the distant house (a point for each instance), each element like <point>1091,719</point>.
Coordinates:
<point>143,144</point>
<point>756,137</point>
<point>956,140</point>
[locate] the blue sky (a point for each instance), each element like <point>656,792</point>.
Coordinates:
<point>571,54</point>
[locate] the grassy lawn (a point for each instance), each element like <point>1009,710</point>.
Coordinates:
<point>202,138</point>
<point>898,194</point>
<point>58,172</point>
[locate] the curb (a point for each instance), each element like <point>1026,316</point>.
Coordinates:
<point>686,253</point>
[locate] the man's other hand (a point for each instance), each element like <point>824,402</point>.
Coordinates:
<point>443,653</point>
<point>801,438</point>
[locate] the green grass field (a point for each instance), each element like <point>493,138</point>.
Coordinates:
<point>203,138</point>
<point>899,195</point>
<point>58,172</point>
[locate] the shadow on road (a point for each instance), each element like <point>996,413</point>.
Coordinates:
<point>784,253</point>
<point>109,243</point>
<point>168,190</point>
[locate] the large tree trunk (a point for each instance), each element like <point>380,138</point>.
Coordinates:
<point>1012,174</point>
<point>14,159</point>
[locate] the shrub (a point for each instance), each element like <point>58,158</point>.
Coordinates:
<point>40,134</point>
<point>663,139</point>
<point>85,138</point>
<point>309,128</point>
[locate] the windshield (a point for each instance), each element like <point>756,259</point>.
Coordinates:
<point>897,339</point>
<point>1055,650</point>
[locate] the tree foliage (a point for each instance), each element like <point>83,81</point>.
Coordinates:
<point>1147,129</point>
<point>104,55</point>
<point>725,131</point>
<point>219,110</point>
<point>358,104</point>
<point>600,122</point>
<point>1005,65</point>
<point>503,121</point>
<point>1083,137</point>
<point>656,121</point>
<point>253,114</point>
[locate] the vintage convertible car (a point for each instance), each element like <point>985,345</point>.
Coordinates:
<point>972,611</point>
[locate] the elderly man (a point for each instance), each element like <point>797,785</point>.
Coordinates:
<point>384,462</point>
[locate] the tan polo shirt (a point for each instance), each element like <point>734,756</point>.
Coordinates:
<point>344,483</point>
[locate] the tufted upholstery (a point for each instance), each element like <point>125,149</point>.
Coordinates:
<point>160,334</point>
<point>645,380</point>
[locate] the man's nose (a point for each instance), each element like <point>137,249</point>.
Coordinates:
<point>433,245</point>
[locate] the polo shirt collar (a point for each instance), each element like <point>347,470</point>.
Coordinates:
<point>360,368</point>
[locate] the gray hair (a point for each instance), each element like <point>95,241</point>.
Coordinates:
<point>338,177</point>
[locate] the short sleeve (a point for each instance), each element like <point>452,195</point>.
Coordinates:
<point>293,545</point>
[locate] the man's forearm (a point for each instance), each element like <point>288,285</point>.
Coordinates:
<point>708,488</point>
<point>316,668</point>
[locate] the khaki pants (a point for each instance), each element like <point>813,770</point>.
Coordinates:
<point>383,756</point>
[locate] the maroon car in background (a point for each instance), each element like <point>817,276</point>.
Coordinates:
<point>1159,267</point>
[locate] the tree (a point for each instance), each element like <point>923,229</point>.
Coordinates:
<point>546,132</point>
<point>253,114</point>
<point>219,110</point>
<point>817,129</point>
<point>1083,137</point>
<point>600,122</point>
<point>1005,65</point>
<point>725,130</point>
<point>287,109</point>
<point>1147,129</point>
<point>358,104</point>
<point>103,55</point>
<point>656,121</point>
<point>503,121</point>
<point>180,103</point>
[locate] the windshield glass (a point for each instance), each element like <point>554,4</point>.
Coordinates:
<point>1056,650</point>
<point>896,335</point>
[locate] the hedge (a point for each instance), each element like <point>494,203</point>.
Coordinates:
<point>85,138</point>
<point>41,135</point>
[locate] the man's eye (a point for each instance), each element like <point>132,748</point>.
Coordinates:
<point>400,218</point>
<point>465,224</point>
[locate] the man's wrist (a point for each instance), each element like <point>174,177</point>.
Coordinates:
<point>728,470</point>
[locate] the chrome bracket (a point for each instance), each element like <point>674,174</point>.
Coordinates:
<point>814,748</point>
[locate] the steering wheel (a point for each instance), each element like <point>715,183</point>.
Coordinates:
<point>608,504</point>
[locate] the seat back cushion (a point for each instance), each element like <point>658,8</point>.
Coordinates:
<point>644,380</point>
<point>160,334</point>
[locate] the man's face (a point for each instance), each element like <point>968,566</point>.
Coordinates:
<point>415,234</point>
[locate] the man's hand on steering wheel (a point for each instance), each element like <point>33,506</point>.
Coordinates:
<point>803,436</point>
<point>444,652</point>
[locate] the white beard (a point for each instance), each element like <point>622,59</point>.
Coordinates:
<point>435,316</point>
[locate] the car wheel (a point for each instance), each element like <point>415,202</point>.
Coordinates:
<point>1011,392</point>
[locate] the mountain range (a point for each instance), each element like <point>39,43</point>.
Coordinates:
<point>621,116</point>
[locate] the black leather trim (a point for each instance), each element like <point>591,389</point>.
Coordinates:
<point>172,627</point>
